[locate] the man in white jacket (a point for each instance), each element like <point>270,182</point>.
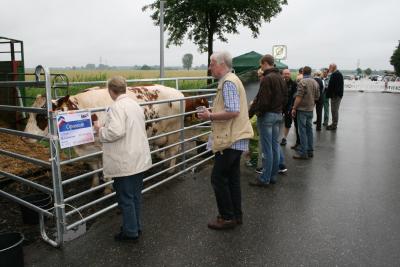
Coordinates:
<point>126,155</point>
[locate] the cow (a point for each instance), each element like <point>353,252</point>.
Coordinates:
<point>192,104</point>
<point>99,97</point>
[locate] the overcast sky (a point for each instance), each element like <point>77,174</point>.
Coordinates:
<point>316,32</point>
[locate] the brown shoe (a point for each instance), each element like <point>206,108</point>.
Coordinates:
<point>298,156</point>
<point>238,220</point>
<point>221,224</point>
<point>257,182</point>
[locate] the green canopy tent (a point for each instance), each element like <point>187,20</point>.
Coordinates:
<point>251,61</point>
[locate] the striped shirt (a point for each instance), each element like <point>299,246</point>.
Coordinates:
<point>232,104</point>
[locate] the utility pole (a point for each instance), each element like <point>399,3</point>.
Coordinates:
<point>162,39</point>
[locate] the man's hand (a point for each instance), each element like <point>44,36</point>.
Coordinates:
<point>293,113</point>
<point>203,114</point>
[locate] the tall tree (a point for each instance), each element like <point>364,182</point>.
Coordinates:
<point>395,60</point>
<point>187,61</point>
<point>202,20</point>
<point>368,71</point>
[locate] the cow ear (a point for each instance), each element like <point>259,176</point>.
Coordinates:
<point>59,102</point>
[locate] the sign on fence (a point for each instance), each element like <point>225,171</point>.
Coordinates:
<point>74,128</point>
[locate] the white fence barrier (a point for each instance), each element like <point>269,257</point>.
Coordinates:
<point>371,86</point>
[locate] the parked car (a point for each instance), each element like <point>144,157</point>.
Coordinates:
<point>375,78</point>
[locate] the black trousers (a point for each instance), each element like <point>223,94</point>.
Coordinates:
<point>318,108</point>
<point>225,180</point>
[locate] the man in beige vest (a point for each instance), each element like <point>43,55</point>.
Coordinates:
<point>231,130</point>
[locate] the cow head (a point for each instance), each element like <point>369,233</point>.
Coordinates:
<point>38,123</point>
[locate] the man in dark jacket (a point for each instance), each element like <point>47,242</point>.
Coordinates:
<point>319,103</point>
<point>269,104</point>
<point>335,93</point>
<point>292,88</point>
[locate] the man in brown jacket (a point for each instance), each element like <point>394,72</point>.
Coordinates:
<point>307,93</point>
<point>268,106</point>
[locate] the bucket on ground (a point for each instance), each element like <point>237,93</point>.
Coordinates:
<point>11,253</point>
<point>40,200</point>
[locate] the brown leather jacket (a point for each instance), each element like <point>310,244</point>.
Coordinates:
<point>272,95</point>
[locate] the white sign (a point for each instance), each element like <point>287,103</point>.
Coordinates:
<point>74,128</point>
<point>279,52</point>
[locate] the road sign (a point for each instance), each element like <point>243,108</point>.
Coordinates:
<point>279,52</point>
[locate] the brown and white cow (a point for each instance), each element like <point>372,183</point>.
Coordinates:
<point>99,97</point>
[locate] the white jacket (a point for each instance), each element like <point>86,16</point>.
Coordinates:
<point>125,147</point>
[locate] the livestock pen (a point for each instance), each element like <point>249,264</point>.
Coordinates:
<point>73,206</point>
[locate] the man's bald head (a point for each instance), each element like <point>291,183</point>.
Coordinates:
<point>332,67</point>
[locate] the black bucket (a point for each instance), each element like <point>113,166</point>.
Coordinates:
<point>11,253</point>
<point>41,200</point>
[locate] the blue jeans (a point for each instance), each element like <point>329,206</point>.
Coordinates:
<point>128,190</point>
<point>304,122</point>
<point>268,128</point>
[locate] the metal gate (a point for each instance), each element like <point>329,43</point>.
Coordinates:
<point>68,224</point>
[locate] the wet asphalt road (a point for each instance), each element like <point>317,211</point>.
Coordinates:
<point>342,208</point>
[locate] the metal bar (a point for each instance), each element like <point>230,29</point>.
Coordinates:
<point>39,187</point>
<point>23,109</point>
<point>153,102</point>
<point>68,199</point>
<point>162,39</point>
<point>175,175</point>
<point>23,134</point>
<point>55,158</point>
<point>176,131</point>
<point>175,156</point>
<point>94,215</point>
<point>182,134</point>
<point>25,203</point>
<point>81,158</point>
<point>25,158</point>
<point>6,84</point>
<point>138,80</point>
<point>198,90</point>
<point>87,205</point>
<point>43,233</point>
<point>4,52</point>
<point>176,165</point>
<point>180,142</point>
<point>76,178</point>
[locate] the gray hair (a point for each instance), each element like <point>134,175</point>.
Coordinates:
<point>222,57</point>
<point>117,84</point>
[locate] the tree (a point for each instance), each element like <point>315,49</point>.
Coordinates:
<point>187,61</point>
<point>368,71</point>
<point>202,20</point>
<point>395,60</point>
<point>90,66</point>
<point>359,71</point>
<point>145,67</point>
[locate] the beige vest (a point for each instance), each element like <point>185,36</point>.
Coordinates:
<point>227,132</point>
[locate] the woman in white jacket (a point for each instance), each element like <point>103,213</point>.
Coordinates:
<point>126,155</point>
